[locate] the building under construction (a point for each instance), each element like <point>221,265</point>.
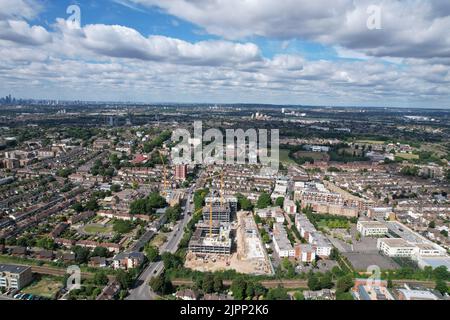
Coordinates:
<point>217,212</point>
<point>225,199</point>
<point>215,240</point>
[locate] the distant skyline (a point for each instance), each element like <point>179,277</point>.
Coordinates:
<point>318,53</point>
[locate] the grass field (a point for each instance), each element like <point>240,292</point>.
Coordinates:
<point>284,157</point>
<point>319,156</point>
<point>407,156</point>
<point>45,287</point>
<point>369,142</point>
<point>96,228</point>
<point>158,240</point>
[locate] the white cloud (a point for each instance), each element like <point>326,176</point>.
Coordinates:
<point>19,31</point>
<point>114,62</point>
<point>123,42</point>
<point>14,9</point>
<point>407,25</point>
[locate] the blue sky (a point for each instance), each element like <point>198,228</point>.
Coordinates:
<point>286,52</point>
<point>150,21</point>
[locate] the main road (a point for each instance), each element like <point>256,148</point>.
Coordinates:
<point>141,289</point>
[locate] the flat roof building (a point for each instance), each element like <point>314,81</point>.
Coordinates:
<point>14,276</point>
<point>395,247</point>
<point>371,228</point>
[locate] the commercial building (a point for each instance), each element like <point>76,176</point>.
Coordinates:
<point>371,228</point>
<point>395,247</point>
<point>15,276</point>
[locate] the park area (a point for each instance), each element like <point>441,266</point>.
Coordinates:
<point>46,287</point>
<point>284,157</point>
<point>407,156</point>
<point>95,228</point>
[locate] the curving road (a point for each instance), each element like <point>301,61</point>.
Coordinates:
<point>141,289</point>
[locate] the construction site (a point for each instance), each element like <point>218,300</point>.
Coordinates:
<point>208,251</point>
<point>227,239</point>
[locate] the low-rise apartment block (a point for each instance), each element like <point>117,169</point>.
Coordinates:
<point>14,276</point>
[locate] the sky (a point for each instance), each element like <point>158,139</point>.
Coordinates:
<point>387,53</point>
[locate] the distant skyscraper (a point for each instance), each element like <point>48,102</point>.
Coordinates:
<point>181,171</point>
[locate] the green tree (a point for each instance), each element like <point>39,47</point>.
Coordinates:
<point>298,295</point>
<point>100,278</point>
<point>161,284</point>
<point>263,201</point>
<point>238,287</point>
<point>124,278</point>
<point>313,282</point>
<point>208,283</point>
<point>334,254</point>
<point>92,205</point>
<point>81,254</point>
<point>244,203</point>
<point>46,243</point>
<point>122,226</point>
<point>279,202</point>
<point>344,283</point>
<point>173,214</point>
<point>78,207</point>
<point>171,261</point>
<point>152,253</point>
<point>100,252</point>
<point>432,224</point>
<point>326,281</point>
<point>441,273</point>
<point>441,286</point>
<point>115,188</point>
<point>278,293</point>
<point>218,283</point>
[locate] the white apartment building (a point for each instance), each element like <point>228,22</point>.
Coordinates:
<point>371,228</point>
<point>281,243</point>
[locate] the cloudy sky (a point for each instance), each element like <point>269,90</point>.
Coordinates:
<point>260,51</point>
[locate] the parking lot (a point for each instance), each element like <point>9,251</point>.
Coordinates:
<point>361,261</point>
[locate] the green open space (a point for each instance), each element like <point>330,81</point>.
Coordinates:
<point>284,157</point>
<point>96,228</point>
<point>46,287</point>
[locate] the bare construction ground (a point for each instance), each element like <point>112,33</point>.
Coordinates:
<point>250,256</point>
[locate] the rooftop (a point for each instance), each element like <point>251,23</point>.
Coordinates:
<point>13,268</point>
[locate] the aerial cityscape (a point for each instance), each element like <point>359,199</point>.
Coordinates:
<point>224,151</point>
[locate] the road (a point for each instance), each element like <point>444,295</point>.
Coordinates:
<point>141,290</point>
